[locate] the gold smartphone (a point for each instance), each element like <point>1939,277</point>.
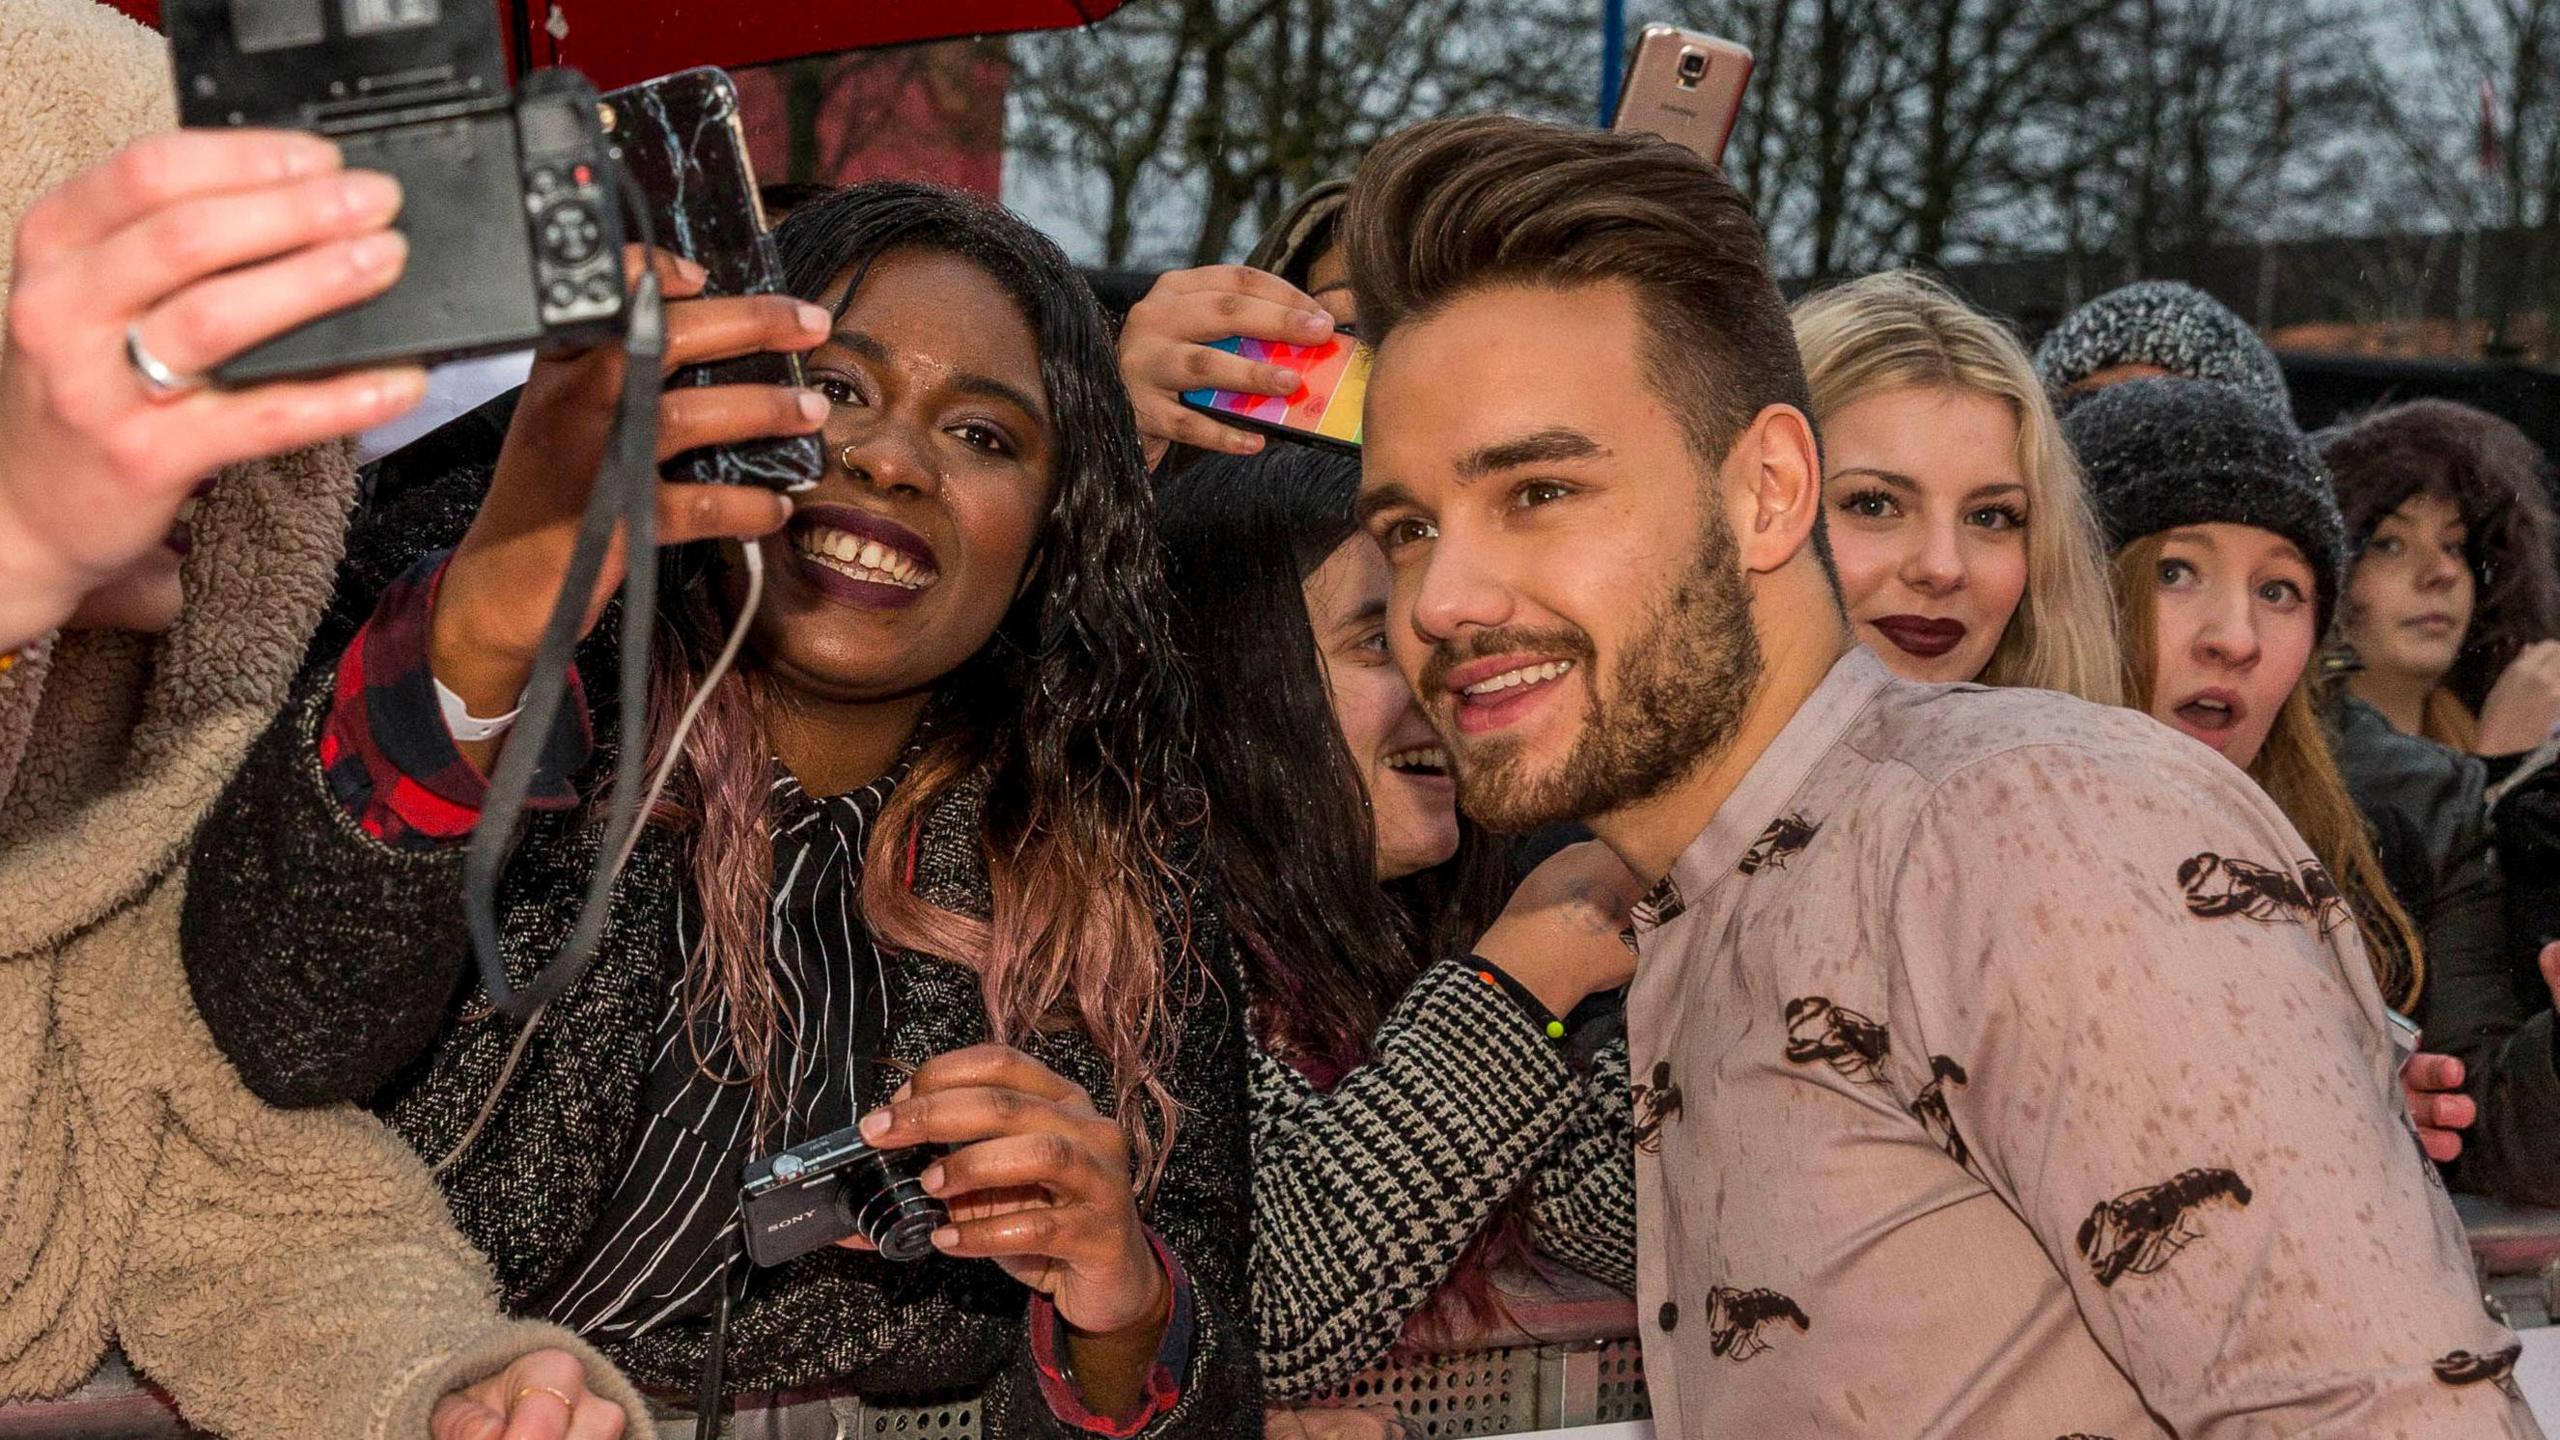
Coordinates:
<point>1685,86</point>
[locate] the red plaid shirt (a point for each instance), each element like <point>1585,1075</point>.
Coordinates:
<point>385,749</point>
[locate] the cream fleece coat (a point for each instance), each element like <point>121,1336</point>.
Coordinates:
<point>282,1274</point>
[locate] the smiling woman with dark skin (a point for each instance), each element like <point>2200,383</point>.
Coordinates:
<point>918,867</point>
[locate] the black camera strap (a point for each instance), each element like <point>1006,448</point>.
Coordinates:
<point>625,498</point>
<point>710,1399</point>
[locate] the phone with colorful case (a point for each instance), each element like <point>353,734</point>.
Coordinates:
<point>1333,384</point>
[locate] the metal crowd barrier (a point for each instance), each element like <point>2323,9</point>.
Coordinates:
<point>1565,1357</point>
<point>2517,1248</point>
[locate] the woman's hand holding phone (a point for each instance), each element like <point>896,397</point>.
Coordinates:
<point>1165,350</point>
<point>505,576</point>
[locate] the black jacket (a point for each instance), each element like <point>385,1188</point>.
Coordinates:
<point>2431,826</point>
<point>333,967</point>
<point>2526,823</point>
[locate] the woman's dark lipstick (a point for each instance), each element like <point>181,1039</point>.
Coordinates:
<point>809,532</point>
<point>1919,635</point>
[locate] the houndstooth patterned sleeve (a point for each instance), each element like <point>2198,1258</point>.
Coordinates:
<point>1583,1194</point>
<point>1365,1195</point>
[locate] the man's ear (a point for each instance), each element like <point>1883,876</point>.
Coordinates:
<point>1774,485</point>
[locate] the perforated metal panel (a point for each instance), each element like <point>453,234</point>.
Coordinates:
<point>926,1422</point>
<point>1451,1397</point>
<point>1441,1397</point>
<point>1621,1391</point>
<point>840,1418</point>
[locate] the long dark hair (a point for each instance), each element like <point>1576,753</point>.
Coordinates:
<point>1328,951</point>
<point>1076,714</point>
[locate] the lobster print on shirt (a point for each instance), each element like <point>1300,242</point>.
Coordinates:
<point>1655,1105</point>
<point>1738,1321</point>
<point>1929,1107</point>
<point>1786,835</point>
<point>2217,886</point>
<point>1819,1032</point>
<point>2139,1231</point>
<point>2498,1368</point>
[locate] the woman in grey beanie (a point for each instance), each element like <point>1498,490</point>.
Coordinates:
<point>2228,547</point>
<point>2204,493</point>
<point>2158,327</point>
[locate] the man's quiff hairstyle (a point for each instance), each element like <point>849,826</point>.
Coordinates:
<point>1454,206</point>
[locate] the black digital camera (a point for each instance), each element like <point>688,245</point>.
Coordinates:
<point>511,211</point>
<point>823,1190</point>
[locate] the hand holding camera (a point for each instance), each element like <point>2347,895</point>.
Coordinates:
<point>131,280</point>
<point>1037,1180</point>
<point>508,571</point>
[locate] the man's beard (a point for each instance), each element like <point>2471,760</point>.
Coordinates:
<point>1675,703</point>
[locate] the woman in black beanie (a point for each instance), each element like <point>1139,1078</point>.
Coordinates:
<point>2204,493</point>
<point>2228,547</point>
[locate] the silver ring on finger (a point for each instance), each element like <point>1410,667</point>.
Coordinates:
<point>159,381</point>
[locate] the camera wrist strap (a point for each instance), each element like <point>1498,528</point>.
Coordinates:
<point>625,498</point>
<point>710,1398</point>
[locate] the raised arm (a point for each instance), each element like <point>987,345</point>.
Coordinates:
<point>1583,1206</point>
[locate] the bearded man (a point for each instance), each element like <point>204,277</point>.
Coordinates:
<point>1966,1124</point>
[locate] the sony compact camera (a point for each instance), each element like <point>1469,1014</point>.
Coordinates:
<point>511,210</point>
<point>821,1191</point>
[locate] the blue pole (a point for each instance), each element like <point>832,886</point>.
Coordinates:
<point>1613,56</point>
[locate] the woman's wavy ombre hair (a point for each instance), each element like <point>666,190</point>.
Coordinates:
<point>1076,715</point>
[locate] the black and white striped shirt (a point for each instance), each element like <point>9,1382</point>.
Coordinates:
<point>671,1221</point>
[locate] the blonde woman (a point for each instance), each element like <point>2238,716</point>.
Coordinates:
<point>1957,517</point>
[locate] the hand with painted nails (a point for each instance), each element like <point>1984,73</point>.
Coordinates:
<point>130,281</point>
<point>542,1396</point>
<point>2432,1086</point>
<point>1164,350</point>
<point>1038,1181</point>
<point>498,590</point>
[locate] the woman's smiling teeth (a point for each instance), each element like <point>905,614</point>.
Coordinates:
<point>1525,675</point>
<point>851,555</point>
<point>1421,760</point>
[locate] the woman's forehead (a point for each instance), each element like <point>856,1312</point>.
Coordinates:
<point>940,304</point>
<point>2229,540</point>
<point>2428,504</point>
